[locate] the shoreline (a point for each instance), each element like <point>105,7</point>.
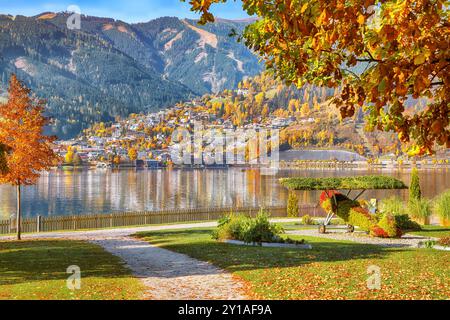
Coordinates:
<point>306,166</point>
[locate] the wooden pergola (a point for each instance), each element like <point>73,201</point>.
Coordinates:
<point>344,185</point>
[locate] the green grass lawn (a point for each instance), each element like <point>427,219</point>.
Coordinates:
<point>332,270</point>
<point>433,231</point>
<point>37,270</point>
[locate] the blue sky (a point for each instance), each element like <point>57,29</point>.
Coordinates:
<point>126,10</point>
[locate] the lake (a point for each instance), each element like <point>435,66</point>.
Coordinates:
<point>68,192</point>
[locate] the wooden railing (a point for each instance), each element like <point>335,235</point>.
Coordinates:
<point>124,219</point>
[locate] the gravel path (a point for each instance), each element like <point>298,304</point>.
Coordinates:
<point>167,275</point>
<point>407,241</point>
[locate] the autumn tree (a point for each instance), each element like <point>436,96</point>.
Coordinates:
<point>116,160</point>
<point>132,154</point>
<point>379,53</point>
<point>305,110</point>
<point>259,99</point>
<point>28,151</point>
<point>265,111</point>
<point>68,159</point>
<point>292,206</point>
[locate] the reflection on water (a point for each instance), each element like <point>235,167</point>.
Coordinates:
<point>97,191</point>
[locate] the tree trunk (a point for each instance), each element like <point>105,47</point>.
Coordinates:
<point>18,217</point>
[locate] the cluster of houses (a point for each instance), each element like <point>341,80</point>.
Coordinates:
<point>98,155</point>
<point>100,150</point>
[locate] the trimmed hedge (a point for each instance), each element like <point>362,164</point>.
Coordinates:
<point>345,183</point>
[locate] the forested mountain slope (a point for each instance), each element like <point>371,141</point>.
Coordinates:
<point>110,68</point>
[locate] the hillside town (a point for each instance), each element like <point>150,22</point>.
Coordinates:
<point>302,119</point>
<point>146,140</point>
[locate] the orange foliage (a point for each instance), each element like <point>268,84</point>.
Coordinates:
<point>401,47</point>
<point>21,123</point>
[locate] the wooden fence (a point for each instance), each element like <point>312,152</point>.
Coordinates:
<point>123,219</point>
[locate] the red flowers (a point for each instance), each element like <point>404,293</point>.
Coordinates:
<point>378,232</point>
<point>326,195</point>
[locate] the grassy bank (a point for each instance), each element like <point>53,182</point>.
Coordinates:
<point>332,270</point>
<point>433,232</point>
<point>37,270</point>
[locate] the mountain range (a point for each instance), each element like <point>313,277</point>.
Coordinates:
<point>110,68</point>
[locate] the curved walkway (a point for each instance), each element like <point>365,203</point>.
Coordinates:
<point>168,275</point>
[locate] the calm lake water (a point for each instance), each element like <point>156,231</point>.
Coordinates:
<point>104,191</point>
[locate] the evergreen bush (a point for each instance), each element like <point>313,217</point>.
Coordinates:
<point>292,209</point>
<point>414,189</point>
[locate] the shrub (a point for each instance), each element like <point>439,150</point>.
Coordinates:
<point>230,227</point>
<point>243,228</point>
<point>404,222</point>
<point>430,244</point>
<point>415,192</point>
<point>361,218</point>
<point>307,220</point>
<point>445,242</point>
<point>260,230</point>
<point>442,206</point>
<point>292,209</point>
<point>419,208</point>
<point>388,224</point>
<point>393,205</point>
